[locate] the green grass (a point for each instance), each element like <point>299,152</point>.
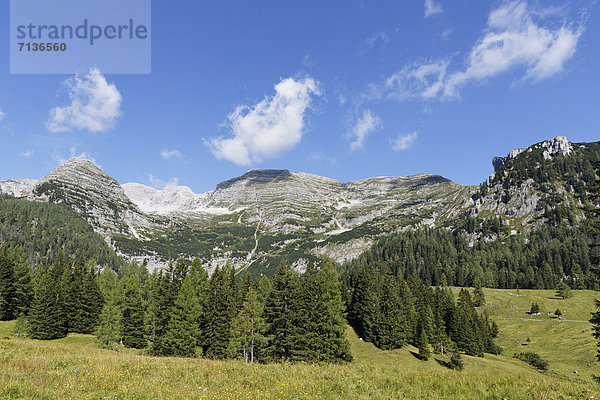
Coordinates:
<point>74,368</point>
<point>567,343</point>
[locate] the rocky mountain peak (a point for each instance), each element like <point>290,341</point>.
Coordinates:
<point>256,176</point>
<point>559,145</point>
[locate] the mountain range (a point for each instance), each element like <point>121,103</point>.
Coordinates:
<point>264,215</point>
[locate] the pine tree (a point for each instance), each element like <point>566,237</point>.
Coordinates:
<point>68,299</point>
<point>248,327</point>
<point>456,361</point>
<point>163,298</point>
<point>423,344</point>
<point>182,333</point>
<point>333,326</point>
<point>478,295</point>
<point>594,234</point>
<point>222,307</point>
<point>108,331</point>
<point>132,313</point>
<point>392,326</point>
<point>200,282</point>
<point>23,281</point>
<point>564,291</point>
<point>87,299</point>
<point>264,288</point>
<point>8,295</point>
<point>558,313</point>
<point>535,308</point>
<point>279,313</point>
<point>47,318</point>
<point>364,305</point>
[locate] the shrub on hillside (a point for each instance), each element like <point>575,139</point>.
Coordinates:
<point>533,359</point>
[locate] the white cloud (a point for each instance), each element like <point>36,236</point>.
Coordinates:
<point>26,154</point>
<point>404,142</point>
<point>516,37</point>
<point>95,105</point>
<point>417,80</point>
<point>446,33</point>
<point>2,115</point>
<point>372,40</point>
<point>168,154</point>
<point>432,8</point>
<point>158,183</point>
<point>60,158</point>
<point>269,128</point>
<point>537,41</point>
<point>361,129</point>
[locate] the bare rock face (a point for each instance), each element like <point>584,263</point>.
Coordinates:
<point>559,145</point>
<point>273,213</point>
<point>264,211</point>
<point>88,190</point>
<point>497,162</point>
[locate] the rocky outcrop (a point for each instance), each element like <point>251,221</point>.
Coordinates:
<point>559,145</point>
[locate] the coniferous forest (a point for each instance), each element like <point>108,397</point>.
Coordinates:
<point>181,311</point>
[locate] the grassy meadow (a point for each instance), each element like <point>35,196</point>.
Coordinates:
<point>75,368</point>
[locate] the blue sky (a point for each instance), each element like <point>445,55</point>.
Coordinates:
<point>344,89</point>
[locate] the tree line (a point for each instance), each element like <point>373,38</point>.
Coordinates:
<point>43,230</point>
<point>181,311</point>
<point>390,312</point>
<point>543,259</point>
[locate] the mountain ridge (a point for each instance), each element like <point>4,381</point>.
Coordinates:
<point>266,214</point>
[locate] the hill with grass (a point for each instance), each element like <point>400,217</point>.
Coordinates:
<point>74,367</point>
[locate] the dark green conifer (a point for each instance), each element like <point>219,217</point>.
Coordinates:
<point>183,330</point>
<point>108,330</point>
<point>47,318</point>
<point>248,328</point>
<point>132,313</point>
<point>423,344</point>
<point>222,307</point>
<point>478,295</point>
<point>279,314</point>
<point>8,294</point>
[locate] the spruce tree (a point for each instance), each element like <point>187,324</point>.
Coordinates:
<point>163,298</point>
<point>47,318</point>
<point>564,291</point>
<point>200,282</point>
<point>132,313</point>
<point>594,234</point>
<point>364,306</point>
<point>108,331</point>
<point>248,327</point>
<point>331,324</point>
<point>279,313</point>
<point>478,295</point>
<point>222,307</point>
<point>87,298</point>
<point>68,297</point>
<point>23,281</point>
<point>264,288</point>
<point>423,344</point>
<point>393,328</point>
<point>8,295</point>
<point>456,361</point>
<point>183,329</point>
